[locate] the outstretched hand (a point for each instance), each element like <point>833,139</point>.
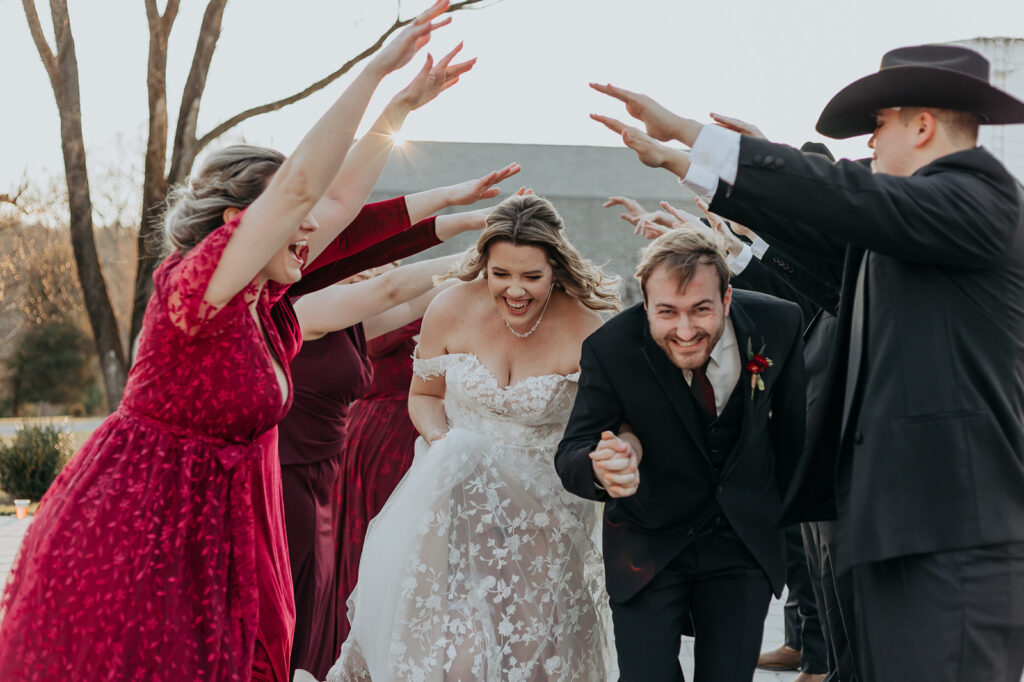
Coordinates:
<point>413,37</point>
<point>631,205</point>
<point>741,127</point>
<point>650,152</point>
<point>472,191</point>
<point>433,79</point>
<point>661,124</point>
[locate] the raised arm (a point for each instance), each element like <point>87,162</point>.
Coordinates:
<point>276,215</point>
<point>403,313</point>
<point>422,204</point>
<point>359,173</point>
<point>344,305</point>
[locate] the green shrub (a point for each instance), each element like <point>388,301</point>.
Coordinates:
<point>53,363</point>
<point>30,462</point>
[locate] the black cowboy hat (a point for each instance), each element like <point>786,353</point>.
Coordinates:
<point>942,76</point>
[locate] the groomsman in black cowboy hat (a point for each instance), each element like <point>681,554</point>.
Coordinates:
<point>925,406</point>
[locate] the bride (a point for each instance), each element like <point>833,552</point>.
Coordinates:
<point>481,566</point>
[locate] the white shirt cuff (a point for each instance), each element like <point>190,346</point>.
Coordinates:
<point>717,149</point>
<point>701,182</point>
<point>738,264</point>
<point>759,247</point>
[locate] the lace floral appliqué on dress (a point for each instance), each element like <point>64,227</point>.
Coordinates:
<point>481,566</point>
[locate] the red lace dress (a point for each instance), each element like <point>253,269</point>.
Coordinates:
<point>378,450</point>
<point>159,552</point>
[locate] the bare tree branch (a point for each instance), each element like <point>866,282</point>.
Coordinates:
<point>45,53</point>
<point>184,151</point>
<point>320,84</point>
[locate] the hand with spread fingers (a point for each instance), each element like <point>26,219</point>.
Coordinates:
<point>433,79</point>
<point>472,191</point>
<point>741,127</point>
<point>401,50</point>
<point>615,465</point>
<point>633,206</point>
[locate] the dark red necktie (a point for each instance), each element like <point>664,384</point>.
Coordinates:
<point>703,390</point>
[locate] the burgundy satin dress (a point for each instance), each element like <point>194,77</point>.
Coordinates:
<point>378,451</point>
<point>334,372</point>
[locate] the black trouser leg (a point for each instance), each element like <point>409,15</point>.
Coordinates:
<point>803,627</point>
<point>649,627</point>
<point>716,584</point>
<point>945,617</point>
<point>728,603</point>
<point>837,611</point>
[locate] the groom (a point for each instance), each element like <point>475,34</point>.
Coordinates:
<point>705,387</point>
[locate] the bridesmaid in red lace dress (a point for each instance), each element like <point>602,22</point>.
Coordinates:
<point>378,450</point>
<point>159,551</point>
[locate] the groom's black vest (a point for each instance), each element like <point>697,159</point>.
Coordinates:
<point>721,433</point>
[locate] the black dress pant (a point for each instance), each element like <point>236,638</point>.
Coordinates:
<point>718,584</point>
<point>803,627</point>
<point>946,617</point>
<point>834,594</point>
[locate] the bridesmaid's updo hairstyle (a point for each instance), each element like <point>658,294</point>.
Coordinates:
<point>532,221</point>
<point>230,178</point>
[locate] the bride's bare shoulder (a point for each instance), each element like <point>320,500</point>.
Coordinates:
<point>451,305</point>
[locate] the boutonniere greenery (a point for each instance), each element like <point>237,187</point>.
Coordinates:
<point>756,364</point>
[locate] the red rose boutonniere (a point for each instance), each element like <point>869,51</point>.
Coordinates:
<point>756,364</point>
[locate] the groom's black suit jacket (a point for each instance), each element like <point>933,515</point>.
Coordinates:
<point>927,454</point>
<point>627,377</point>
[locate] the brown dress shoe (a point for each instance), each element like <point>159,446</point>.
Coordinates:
<point>810,677</point>
<point>783,658</point>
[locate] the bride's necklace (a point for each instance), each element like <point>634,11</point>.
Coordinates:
<point>535,324</point>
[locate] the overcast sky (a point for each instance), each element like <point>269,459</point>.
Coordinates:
<point>774,63</point>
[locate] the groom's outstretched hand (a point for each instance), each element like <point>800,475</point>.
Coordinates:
<point>615,465</point>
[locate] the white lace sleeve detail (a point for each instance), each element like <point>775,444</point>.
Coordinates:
<point>428,368</point>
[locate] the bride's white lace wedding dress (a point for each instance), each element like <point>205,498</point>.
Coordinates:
<point>481,567</point>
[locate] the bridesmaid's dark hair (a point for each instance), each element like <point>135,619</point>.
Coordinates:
<point>230,178</point>
<point>533,221</point>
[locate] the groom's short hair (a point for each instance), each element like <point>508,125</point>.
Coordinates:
<point>682,251</point>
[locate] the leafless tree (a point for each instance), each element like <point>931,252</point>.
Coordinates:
<point>62,68</point>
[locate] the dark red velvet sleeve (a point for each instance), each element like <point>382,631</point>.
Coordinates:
<point>374,223</point>
<point>419,237</point>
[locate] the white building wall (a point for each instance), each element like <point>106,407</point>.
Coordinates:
<point>1006,56</point>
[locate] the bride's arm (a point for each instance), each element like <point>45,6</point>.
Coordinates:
<point>426,395</point>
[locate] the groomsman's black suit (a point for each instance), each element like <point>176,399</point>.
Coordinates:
<point>700,538</point>
<point>923,434</point>
<point>806,277</point>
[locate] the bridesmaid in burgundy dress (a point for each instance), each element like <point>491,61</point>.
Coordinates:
<point>157,552</point>
<point>378,450</point>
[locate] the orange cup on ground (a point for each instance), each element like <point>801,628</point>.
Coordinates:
<point>21,508</point>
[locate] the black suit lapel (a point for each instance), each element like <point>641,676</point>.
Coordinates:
<point>746,332</point>
<point>672,382</point>
<point>855,260</point>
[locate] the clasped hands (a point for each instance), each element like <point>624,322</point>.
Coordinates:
<point>615,462</point>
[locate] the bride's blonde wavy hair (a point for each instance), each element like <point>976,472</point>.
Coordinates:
<point>532,221</point>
